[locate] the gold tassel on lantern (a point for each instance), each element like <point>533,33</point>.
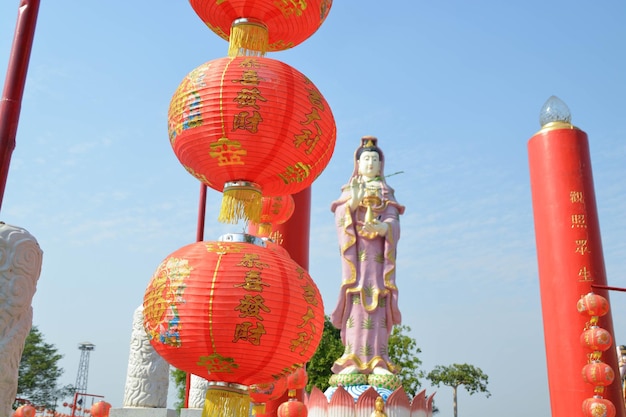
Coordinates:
<point>226,399</point>
<point>248,37</point>
<point>241,200</point>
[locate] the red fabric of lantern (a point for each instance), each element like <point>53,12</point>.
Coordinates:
<point>100,409</point>
<point>268,391</point>
<point>593,304</point>
<point>292,408</point>
<point>287,23</point>
<point>598,407</point>
<point>233,311</point>
<point>297,379</point>
<point>250,126</point>
<point>598,373</point>
<point>596,339</point>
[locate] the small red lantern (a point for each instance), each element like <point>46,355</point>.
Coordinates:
<point>593,304</point>
<point>297,379</point>
<point>598,407</point>
<point>598,374</point>
<point>262,25</point>
<point>264,392</point>
<point>274,211</point>
<point>596,339</point>
<point>100,409</point>
<point>292,408</point>
<point>26,410</point>
<point>235,310</point>
<point>248,127</point>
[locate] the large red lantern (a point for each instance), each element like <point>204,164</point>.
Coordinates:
<point>261,25</point>
<point>100,409</point>
<point>250,126</point>
<point>236,311</point>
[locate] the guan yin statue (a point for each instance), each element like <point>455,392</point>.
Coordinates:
<point>367,219</point>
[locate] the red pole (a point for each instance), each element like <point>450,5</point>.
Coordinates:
<point>295,234</point>
<point>14,84</point>
<point>199,238</point>
<point>570,261</point>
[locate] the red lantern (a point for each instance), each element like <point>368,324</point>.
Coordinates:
<point>268,391</point>
<point>274,211</point>
<point>297,379</point>
<point>250,126</point>
<point>593,304</point>
<point>262,25</point>
<point>598,407</point>
<point>292,408</point>
<point>234,311</point>
<point>25,411</point>
<point>596,339</point>
<point>100,409</point>
<point>598,374</point>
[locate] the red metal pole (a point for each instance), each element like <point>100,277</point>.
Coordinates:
<point>199,238</point>
<point>295,234</point>
<point>14,84</point>
<point>570,261</point>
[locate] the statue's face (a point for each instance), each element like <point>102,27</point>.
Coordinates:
<point>369,164</point>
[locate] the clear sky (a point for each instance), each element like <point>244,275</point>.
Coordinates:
<point>452,89</point>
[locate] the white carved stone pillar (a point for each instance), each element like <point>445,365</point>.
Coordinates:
<point>147,378</point>
<point>197,391</point>
<point>20,266</point>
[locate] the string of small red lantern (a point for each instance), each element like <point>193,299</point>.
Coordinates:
<point>596,340</point>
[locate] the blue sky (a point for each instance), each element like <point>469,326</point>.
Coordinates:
<point>452,89</point>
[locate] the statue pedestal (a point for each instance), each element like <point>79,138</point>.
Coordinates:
<point>142,412</point>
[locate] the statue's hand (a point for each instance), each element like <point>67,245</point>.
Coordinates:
<point>357,192</point>
<point>378,227</point>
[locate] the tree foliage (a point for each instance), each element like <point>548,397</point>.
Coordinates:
<point>180,382</point>
<point>456,375</point>
<point>403,352</point>
<point>328,351</point>
<point>39,372</point>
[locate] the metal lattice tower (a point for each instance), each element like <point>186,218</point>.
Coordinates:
<point>83,366</point>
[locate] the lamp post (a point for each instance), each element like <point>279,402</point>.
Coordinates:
<point>569,255</point>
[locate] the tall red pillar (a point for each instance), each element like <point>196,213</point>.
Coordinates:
<point>295,234</point>
<point>570,260</point>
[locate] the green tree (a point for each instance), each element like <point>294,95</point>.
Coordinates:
<point>403,352</point>
<point>180,382</point>
<point>455,375</point>
<point>329,349</point>
<point>39,372</point>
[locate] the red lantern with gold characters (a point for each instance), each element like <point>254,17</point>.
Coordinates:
<point>261,25</point>
<point>100,409</point>
<point>233,311</point>
<point>598,373</point>
<point>593,304</point>
<point>598,407</point>
<point>250,127</point>
<point>596,339</point>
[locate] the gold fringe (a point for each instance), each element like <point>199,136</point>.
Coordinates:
<point>243,203</point>
<point>258,408</point>
<point>248,38</point>
<point>265,229</point>
<point>221,401</point>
